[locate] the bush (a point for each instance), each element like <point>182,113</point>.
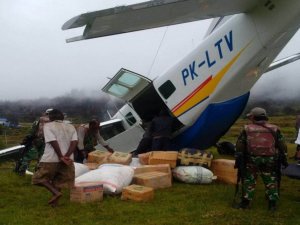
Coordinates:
<point>2,145</point>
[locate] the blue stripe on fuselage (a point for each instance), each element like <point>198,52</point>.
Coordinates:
<point>213,123</point>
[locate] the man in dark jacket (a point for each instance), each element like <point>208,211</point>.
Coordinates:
<point>161,130</point>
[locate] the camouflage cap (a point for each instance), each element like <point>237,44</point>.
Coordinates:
<point>257,111</point>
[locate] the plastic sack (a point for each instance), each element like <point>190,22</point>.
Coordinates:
<point>80,169</point>
<point>193,174</point>
<point>298,138</point>
<point>113,177</point>
<point>135,163</point>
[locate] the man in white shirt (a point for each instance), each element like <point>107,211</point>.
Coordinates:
<point>56,168</point>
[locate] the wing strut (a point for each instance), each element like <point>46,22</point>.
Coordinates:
<point>282,62</point>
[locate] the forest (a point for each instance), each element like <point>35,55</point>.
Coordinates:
<point>81,108</point>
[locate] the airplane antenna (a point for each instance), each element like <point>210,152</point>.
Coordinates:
<point>109,114</point>
<point>163,37</point>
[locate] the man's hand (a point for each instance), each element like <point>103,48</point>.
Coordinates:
<point>66,160</point>
<point>109,149</point>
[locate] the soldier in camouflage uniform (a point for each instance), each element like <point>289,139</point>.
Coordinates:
<point>263,149</point>
<point>34,143</point>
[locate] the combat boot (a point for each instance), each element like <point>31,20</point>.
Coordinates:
<point>244,204</point>
<point>22,173</point>
<point>272,205</point>
<point>22,170</point>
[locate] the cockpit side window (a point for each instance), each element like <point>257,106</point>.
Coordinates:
<point>167,89</point>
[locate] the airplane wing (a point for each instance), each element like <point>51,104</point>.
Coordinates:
<point>282,62</point>
<point>10,153</point>
<point>152,14</point>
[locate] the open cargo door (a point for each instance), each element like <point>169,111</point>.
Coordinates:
<point>138,91</point>
<point>126,85</point>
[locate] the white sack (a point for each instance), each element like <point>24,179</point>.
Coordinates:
<point>27,172</point>
<point>113,177</point>
<point>80,169</point>
<point>298,138</point>
<point>193,174</point>
<point>135,162</point>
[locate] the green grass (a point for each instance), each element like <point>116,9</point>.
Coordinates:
<point>23,203</point>
<point>13,136</point>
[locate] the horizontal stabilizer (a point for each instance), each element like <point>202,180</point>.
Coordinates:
<point>282,62</point>
<point>10,153</point>
<point>152,14</point>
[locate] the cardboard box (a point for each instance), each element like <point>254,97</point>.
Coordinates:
<point>153,179</point>
<point>144,158</point>
<point>163,157</point>
<point>194,157</point>
<point>120,158</point>
<point>92,166</point>
<point>165,168</point>
<point>224,170</point>
<point>137,193</point>
<point>87,192</point>
<point>98,156</point>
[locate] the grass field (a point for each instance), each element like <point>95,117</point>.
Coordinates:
<point>22,203</point>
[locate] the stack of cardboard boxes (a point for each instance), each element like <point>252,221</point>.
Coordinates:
<point>154,173</point>
<point>146,179</point>
<point>99,157</point>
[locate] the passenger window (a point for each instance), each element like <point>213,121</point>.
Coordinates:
<point>110,130</point>
<point>130,119</point>
<point>167,89</point>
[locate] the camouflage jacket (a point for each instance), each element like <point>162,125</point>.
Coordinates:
<point>241,144</point>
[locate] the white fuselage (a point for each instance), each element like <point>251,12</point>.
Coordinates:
<point>230,60</point>
<point>208,89</point>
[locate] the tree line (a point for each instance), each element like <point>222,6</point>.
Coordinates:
<point>275,107</point>
<point>79,109</point>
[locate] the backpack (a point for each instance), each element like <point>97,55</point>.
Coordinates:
<point>261,139</point>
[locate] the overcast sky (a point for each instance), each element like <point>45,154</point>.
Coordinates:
<point>37,62</point>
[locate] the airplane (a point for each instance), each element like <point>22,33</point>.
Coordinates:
<point>207,90</point>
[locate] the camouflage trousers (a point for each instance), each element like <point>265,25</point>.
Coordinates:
<point>265,166</point>
<point>34,153</point>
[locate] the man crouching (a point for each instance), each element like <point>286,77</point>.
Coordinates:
<point>56,168</point>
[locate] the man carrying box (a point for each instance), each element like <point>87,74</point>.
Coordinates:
<point>88,137</point>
